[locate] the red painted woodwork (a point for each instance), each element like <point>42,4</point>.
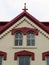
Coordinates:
<point>24,53</point>
<point>33,19</point>
<point>44,55</point>
<point>4,54</point>
<point>24,30</point>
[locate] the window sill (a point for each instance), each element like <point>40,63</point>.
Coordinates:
<point>24,47</point>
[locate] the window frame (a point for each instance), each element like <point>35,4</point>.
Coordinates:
<point>30,39</point>
<point>24,57</point>
<point>18,39</point>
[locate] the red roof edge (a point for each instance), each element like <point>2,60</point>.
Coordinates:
<point>3,23</point>
<point>45,23</point>
<point>33,19</point>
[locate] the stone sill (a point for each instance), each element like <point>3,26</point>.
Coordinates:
<point>24,47</point>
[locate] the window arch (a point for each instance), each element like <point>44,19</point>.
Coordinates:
<point>30,39</point>
<point>18,38</point>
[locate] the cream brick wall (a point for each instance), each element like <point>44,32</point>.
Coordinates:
<point>41,44</point>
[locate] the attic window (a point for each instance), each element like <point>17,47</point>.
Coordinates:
<point>30,39</point>
<point>18,39</point>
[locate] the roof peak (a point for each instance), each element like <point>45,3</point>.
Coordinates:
<point>25,7</point>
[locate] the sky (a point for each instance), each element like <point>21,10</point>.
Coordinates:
<point>11,8</point>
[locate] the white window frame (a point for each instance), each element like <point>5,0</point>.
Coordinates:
<point>18,39</point>
<point>31,39</point>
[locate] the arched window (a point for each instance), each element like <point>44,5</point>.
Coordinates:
<point>18,39</point>
<point>30,39</point>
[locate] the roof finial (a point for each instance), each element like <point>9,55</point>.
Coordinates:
<point>25,7</point>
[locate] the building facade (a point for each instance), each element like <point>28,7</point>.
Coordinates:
<point>24,41</point>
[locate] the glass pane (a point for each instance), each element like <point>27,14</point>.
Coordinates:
<point>16,42</point>
<point>27,60</point>
<point>32,36</point>
<point>20,42</point>
<point>32,42</point>
<point>18,39</point>
<point>28,35</point>
<point>47,60</point>
<point>28,42</point>
<point>0,60</point>
<point>24,60</point>
<point>20,35</point>
<point>30,39</point>
<point>16,35</point>
<point>21,60</point>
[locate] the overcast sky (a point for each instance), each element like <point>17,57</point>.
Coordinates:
<point>11,8</point>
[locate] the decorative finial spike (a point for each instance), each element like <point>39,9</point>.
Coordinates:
<point>25,7</point>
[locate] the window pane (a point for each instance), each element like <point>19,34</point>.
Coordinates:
<point>0,60</point>
<point>24,60</point>
<point>33,42</point>
<point>28,42</point>
<point>28,35</point>
<point>47,60</point>
<point>16,42</point>
<point>16,35</point>
<point>32,35</point>
<point>20,42</point>
<point>20,35</point>
<point>27,60</point>
<point>21,60</point>
<point>18,38</point>
<point>30,39</point>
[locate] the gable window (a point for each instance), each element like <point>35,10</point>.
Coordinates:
<point>0,60</point>
<point>24,60</point>
<point>18,39</point>
<point>30,39</point>
<point>47,60</point>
